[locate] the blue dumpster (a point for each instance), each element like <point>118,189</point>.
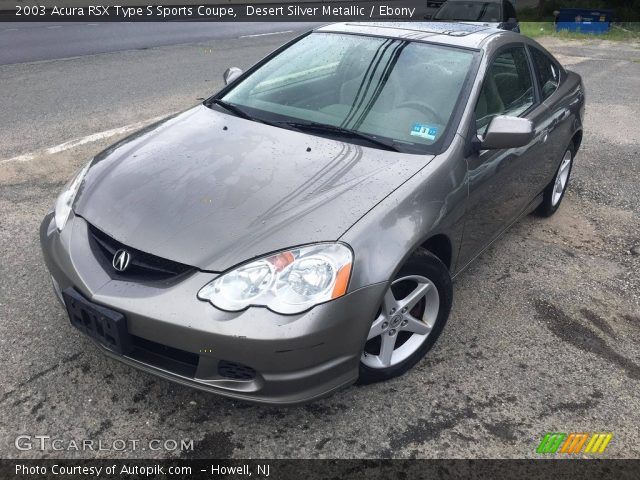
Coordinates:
<point>583,20</point>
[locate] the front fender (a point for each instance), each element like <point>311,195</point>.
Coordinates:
<point>431,202</point>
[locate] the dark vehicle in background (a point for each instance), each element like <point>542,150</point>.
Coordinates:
<point>494,13</point>
<point>432,7</point>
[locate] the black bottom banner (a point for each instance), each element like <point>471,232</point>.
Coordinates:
<point>67,469</point>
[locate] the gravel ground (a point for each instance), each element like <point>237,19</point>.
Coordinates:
<point>542,336</point>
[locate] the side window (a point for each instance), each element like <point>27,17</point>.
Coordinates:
<point>509,10</point>
<point>507,88</point>
<point>548,73</point>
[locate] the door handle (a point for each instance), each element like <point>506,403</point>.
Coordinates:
<point>556,121</point>
<point>543,135</point>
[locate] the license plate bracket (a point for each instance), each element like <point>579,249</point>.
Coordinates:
<point>102,324</point>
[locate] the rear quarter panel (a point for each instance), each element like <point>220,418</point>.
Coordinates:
<point>566,107</point>
<point>566,111</point>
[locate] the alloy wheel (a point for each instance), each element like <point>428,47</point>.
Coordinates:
<point>407,316</point>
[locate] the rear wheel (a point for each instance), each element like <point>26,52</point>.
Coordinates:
<point>412,315</point>
<point>554,193</point>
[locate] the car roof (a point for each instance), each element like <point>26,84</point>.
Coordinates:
<point>446,33</point>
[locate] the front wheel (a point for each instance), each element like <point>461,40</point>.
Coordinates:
<point>412,315</point>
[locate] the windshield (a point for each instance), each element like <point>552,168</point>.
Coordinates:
<point>469,11</point>
<point>391,89</point>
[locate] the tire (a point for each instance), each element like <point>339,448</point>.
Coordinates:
<point>552,198</point>
<point>425,278</point>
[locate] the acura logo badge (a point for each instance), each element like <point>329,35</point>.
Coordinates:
<point>121,260</point>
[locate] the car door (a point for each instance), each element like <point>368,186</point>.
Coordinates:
<point>503,183</point>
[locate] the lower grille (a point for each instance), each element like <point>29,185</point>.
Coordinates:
<point>235,371</point>
<point>171,359</point>
<point>143,266</point>
<point>181,362</point>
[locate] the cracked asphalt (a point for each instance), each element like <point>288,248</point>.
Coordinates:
<point>543,335</point>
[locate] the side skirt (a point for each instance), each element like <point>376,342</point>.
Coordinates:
<point>530,208</point>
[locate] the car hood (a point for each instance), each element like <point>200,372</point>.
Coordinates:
<point>212,190</point>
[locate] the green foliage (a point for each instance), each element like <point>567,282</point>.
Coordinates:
<point>618,32</point>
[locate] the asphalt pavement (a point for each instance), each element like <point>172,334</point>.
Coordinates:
<point>30,42</point>
<point>543,335</point>
<point>53,101</point>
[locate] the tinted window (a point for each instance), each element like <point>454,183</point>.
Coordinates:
<point>359,83</point>
<point>509,10</point>
<point>548,73</point>
<point>507,88</point>
<point>470,11</point>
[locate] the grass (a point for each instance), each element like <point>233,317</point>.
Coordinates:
<point>627,10</point>
<point>624,32</point>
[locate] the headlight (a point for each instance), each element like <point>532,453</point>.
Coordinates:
<point>287,282</point>
<point>66,198</point>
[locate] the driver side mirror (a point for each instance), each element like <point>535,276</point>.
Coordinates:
<point>231,74</point>
<point>507,132</point>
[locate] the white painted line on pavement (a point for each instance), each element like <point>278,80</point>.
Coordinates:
<point>84,140</point>
<point>265,34</point>
<point>20,158</point>
<point>101,135</point>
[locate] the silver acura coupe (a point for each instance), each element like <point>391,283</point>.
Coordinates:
<point>299,231</point>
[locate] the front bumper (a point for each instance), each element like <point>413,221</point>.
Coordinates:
<point>296,358</point>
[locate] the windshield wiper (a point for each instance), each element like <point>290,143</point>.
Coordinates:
<point>344,132</point>
<point>231,108</point>
<point>308,126</point>
<point>240,112</point>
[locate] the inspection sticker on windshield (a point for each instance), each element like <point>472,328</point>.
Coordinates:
<point>424,131</point>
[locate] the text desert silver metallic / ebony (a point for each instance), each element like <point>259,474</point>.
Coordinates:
<point>299,230</point>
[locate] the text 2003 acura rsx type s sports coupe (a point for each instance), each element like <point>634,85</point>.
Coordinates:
<point>300,229</point>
